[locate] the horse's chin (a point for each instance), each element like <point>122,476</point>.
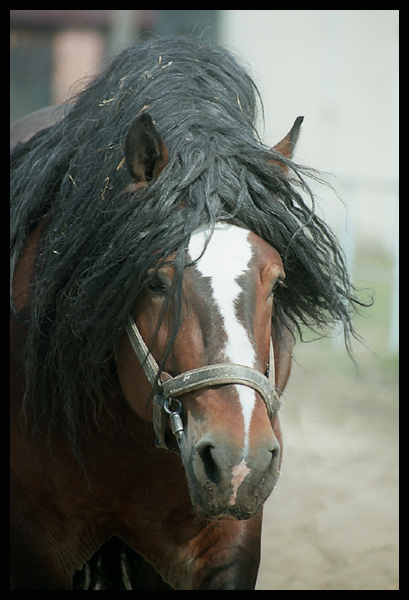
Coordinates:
<point>214,512</point>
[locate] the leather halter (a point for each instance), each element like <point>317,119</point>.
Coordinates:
<point>169,388</point>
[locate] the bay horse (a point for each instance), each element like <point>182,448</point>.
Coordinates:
<point>162,258</point>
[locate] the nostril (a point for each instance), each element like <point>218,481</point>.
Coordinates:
<point>275,452</point>
<point>210,467</point>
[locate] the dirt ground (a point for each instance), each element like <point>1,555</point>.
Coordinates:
<point>332,521</point>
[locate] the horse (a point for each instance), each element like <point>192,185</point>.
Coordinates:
<point>162,260</point>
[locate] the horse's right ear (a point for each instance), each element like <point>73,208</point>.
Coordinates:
<point>145,152</point>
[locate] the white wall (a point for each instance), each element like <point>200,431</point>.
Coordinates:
<point>339,69</point>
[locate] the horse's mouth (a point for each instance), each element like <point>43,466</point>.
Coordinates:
<point>211,508</point>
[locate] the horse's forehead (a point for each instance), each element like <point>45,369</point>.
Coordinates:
<point>226,253</point>
<point>230,250</point>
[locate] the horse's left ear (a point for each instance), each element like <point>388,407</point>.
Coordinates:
<point>287,144</point>
<point>146,154</point>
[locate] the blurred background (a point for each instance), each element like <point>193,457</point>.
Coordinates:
<point>332,521</point>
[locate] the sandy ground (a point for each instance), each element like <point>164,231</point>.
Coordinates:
<point>332,521</point>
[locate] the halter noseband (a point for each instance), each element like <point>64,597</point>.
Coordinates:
<point>167,406</point>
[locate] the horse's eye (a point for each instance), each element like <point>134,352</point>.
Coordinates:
<point>278,283</point>
<point>157,287</point>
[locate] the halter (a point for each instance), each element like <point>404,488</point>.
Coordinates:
<point>166,404</point>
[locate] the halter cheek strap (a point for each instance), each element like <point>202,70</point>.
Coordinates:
<point>167,406</point>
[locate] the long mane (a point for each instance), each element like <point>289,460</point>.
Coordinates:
<point>99,241</point>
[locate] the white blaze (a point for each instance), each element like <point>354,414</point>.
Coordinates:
<point>226,258</point>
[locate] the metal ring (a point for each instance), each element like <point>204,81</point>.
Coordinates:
<point>168,402</point>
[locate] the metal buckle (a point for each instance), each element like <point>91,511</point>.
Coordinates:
<point>175,421</point>
<point>167,410</point>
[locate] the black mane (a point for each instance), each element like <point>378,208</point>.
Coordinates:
<point>99,242</point>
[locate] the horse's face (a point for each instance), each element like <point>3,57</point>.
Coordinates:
<point>232,450</point>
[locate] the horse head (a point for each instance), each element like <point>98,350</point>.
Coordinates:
<point>231,444</point>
